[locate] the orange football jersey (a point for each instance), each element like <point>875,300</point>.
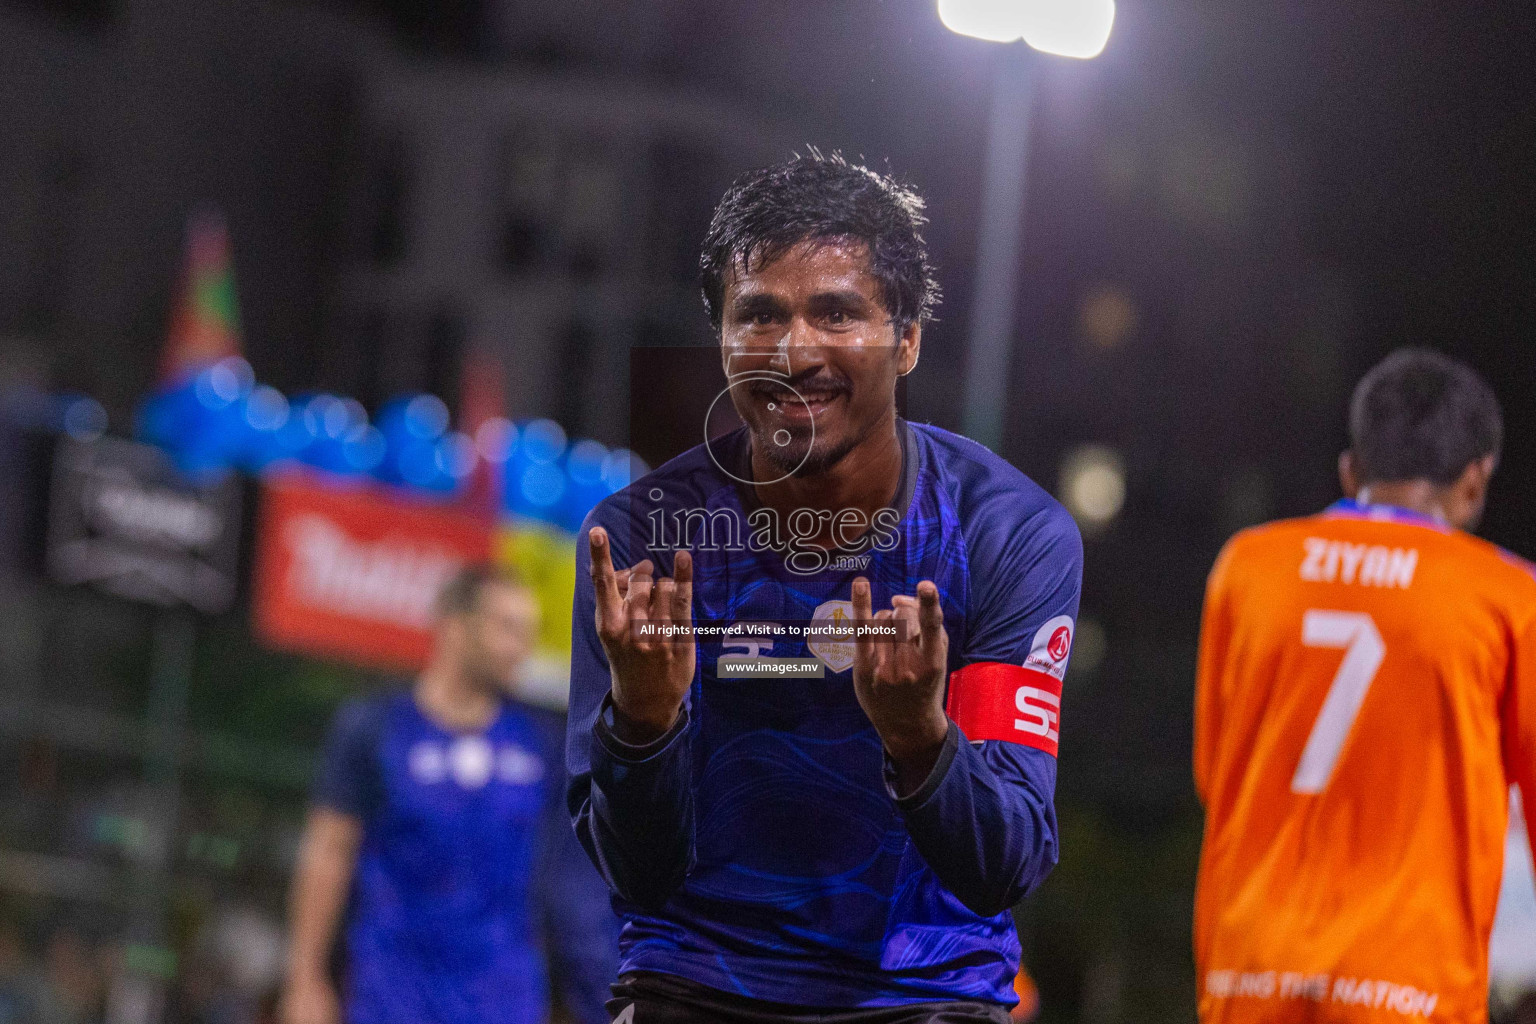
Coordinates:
<point>1366,695</point>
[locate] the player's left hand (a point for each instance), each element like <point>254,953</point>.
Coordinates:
<point>900,684</point>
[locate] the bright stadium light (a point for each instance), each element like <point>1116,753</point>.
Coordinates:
<point>998,21</point>
<point>1066,28</point>
<point>1069,28</point>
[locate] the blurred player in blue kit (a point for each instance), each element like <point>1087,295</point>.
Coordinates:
<point>841,845</point>
<point>437,835</point>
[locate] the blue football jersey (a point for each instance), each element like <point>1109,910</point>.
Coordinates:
<point>760,848</point>
<point>445,915</point>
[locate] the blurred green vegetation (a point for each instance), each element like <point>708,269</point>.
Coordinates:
<point>1107,936</point>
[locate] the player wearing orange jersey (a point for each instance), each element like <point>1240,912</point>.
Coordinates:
<point>1366,695</point>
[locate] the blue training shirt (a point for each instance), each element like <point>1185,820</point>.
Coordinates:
<point>459,865</point>
<point>759,848</point>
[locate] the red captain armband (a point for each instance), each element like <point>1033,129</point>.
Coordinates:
<point>993,701</point>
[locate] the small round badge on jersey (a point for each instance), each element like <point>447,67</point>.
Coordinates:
<point>469,761</point>
<point>1051,647</point>
<point>427,763</point>
<point>518,767</point>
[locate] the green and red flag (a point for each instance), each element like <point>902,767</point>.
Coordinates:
<point>482,412</point>
<point>205,323</point>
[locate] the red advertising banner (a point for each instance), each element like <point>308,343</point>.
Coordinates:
<point>353,574</point>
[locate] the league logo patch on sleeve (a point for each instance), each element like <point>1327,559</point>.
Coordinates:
<point>1052,645</point>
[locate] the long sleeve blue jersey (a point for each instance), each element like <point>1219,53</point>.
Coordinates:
<point>759,847</point>
<point>460,870</point>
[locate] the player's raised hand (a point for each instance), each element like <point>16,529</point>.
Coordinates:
<point>651,672</point>
<point>900,684</point>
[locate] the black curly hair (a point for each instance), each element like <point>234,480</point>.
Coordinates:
<point>823,197</point>
<point>1420,415</point>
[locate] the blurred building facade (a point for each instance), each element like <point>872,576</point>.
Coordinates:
<point>550,220</point>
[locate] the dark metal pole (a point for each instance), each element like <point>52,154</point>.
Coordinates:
<point>150,964</point>
<point>997,248</point>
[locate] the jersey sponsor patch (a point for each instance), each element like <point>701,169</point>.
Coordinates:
<point>1051,647</point>
<point>1013,703</point>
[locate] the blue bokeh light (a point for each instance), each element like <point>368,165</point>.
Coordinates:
<point>220,418</point>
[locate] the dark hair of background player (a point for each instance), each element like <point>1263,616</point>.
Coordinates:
<point>461,594</point>
<point>1420,415</point>
<point>814,196</point>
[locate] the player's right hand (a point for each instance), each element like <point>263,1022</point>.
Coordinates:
<point>309,1000</point>
<point>651,674</point>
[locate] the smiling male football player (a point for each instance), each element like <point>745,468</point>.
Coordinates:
<point>841,843</point>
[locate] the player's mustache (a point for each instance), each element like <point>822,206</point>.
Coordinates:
<point>815,382</point>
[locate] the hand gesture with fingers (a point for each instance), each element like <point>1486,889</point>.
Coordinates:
<point>651,672</point>
<point>900,683</point>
